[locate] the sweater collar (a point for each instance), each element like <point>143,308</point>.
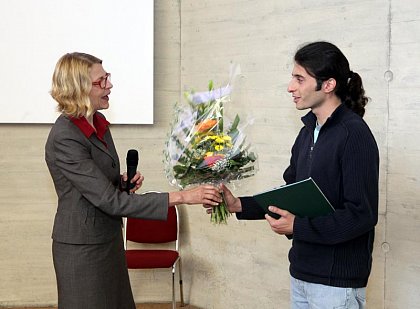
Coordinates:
<point>309,120</point>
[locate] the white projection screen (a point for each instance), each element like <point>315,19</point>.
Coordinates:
<point>35,34</point>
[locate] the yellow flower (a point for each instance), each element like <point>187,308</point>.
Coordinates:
<point>218,147</point>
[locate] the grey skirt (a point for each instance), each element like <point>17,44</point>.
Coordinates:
<point>92,276</point>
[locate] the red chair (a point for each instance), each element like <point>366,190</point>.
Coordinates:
<point>155,232</point>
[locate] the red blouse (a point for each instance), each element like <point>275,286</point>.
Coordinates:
<point>100,123</point>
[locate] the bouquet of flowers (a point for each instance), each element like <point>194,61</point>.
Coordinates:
<point>205,147</point>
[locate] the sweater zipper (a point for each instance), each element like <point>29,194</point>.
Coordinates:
<point>311,149</point>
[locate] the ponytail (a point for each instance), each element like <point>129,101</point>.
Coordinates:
<point>354,96</point>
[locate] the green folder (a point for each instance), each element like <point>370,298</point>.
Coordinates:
<point>302,198</point>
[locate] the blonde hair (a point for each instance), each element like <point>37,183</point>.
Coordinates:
<point>71,84</point>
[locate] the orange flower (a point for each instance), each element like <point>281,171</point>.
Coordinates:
<point>206,125</point>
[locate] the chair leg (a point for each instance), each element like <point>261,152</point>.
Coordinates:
<point>173,288</point>
<point>181,291</point>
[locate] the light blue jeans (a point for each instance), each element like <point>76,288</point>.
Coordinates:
<point>305,295</point>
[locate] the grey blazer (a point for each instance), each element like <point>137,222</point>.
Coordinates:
<point>86,176</point>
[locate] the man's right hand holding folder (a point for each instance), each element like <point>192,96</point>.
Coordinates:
<point>283,225</point>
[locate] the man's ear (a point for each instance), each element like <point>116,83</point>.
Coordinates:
<point>328,85</point>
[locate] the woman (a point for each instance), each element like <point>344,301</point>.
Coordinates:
<point>87,248</point>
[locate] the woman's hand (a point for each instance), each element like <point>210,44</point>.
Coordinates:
<point>204,194</point>
<point>137,180</point>
<point>233,203</point>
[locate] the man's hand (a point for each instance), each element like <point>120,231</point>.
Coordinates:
<point>283,225</point>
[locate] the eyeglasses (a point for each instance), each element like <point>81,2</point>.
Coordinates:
<point>103,81</point>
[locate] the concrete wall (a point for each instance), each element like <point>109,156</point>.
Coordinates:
<point>242,264</point>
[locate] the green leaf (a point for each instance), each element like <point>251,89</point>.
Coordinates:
<point>235,123</point>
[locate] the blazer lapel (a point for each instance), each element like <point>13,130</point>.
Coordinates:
<point>95,141</point>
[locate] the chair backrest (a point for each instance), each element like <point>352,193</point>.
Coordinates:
<point>153,231</point>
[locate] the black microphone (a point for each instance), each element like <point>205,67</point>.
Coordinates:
<point>132,161</point>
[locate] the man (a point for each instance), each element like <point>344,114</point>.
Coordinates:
<point>331,256</point>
